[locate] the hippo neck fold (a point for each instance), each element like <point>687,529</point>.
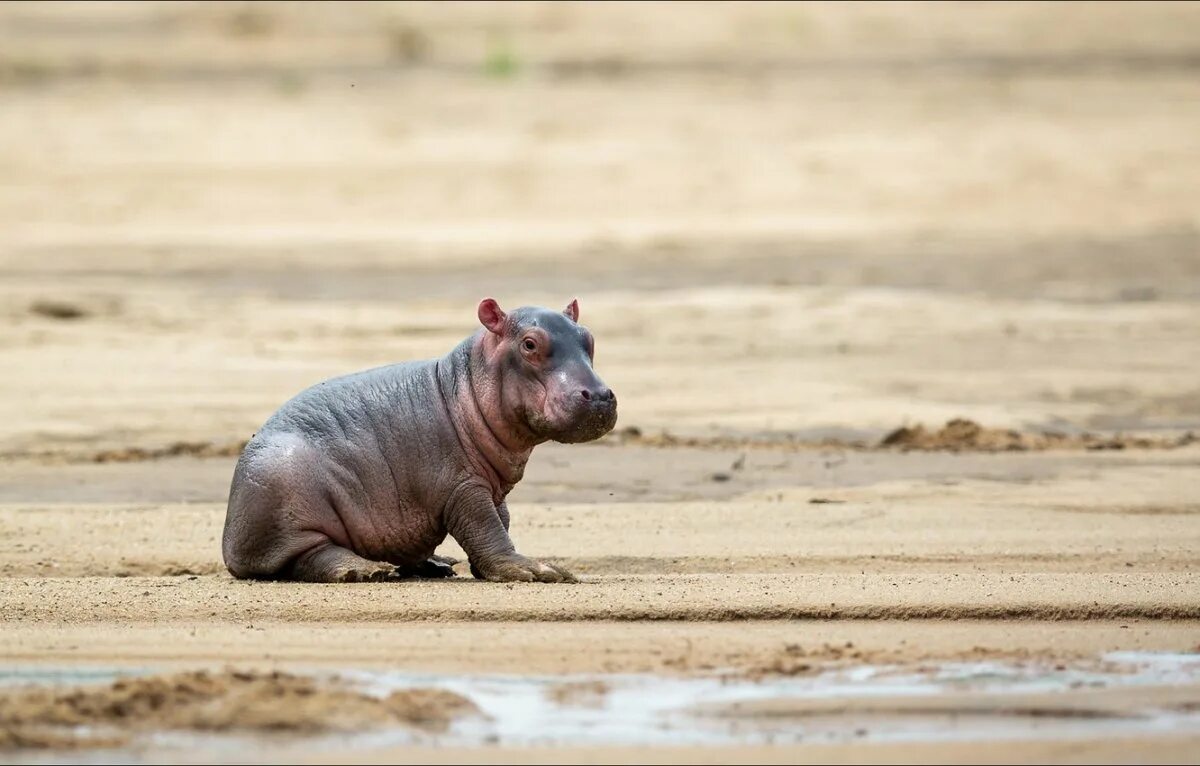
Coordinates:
<point>494,441</point>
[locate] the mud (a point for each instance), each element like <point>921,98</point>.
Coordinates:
<point>841,700</point>
<point>228,701</point>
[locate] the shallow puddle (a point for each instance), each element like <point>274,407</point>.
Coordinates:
<point>1118,694</point>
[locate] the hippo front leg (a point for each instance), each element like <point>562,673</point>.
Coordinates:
<point>477,525</point>
<point>502,512</point>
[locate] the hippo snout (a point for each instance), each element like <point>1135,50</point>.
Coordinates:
<point>599,403</point>
<point>593,414</point>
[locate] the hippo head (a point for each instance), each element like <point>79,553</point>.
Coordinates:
<point>547,384</point>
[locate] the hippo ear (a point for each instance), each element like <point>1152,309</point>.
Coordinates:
<point>572,310</point>
<point>492,316</point>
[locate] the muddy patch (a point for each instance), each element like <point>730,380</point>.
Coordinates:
<point>834,700</point>
<point>229,701</point>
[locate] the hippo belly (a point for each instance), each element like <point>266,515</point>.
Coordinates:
<point>382,517</point>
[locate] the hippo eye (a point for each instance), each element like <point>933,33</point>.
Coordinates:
<point>529,345</point>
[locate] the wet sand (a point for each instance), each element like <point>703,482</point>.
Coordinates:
<point>792,229</point>
<point>1131,750</point>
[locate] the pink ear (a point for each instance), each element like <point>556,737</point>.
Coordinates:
<point>572,310</point>
<point>492,316</point>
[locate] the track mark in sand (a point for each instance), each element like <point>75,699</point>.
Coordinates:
<point>958,435</point>
<point>1145,509</point>
<point>177,449</point>
<point>152,569</point>
<point>117,570</point>
<point>931,709</point>
<point>850,521</point>
<point>197,449</point>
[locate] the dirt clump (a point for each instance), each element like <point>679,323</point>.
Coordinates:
<point>961,435</point>
<point>797,660</point>
<point>430,709</point>
<point>579,693</point>
<point>56,309</point>
<point>215,702</point>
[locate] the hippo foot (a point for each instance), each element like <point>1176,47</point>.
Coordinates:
<point>435,567</point>
<point>519,568</point>
<point>332,563</point>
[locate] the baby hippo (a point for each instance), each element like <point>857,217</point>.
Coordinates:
<point>363,476</point>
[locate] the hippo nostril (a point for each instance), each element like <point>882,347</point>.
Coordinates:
<point>598,395</point>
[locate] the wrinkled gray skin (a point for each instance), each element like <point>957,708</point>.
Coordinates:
<point>362,477</point>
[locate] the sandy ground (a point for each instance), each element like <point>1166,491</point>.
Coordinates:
<point>792,229</point>
<point>1163,750</point>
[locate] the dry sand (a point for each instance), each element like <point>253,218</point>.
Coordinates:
<point>793,230</point>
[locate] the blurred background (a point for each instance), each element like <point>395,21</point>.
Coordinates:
<point>811,219</point>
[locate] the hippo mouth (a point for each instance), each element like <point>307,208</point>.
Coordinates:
<point>585,424</point>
